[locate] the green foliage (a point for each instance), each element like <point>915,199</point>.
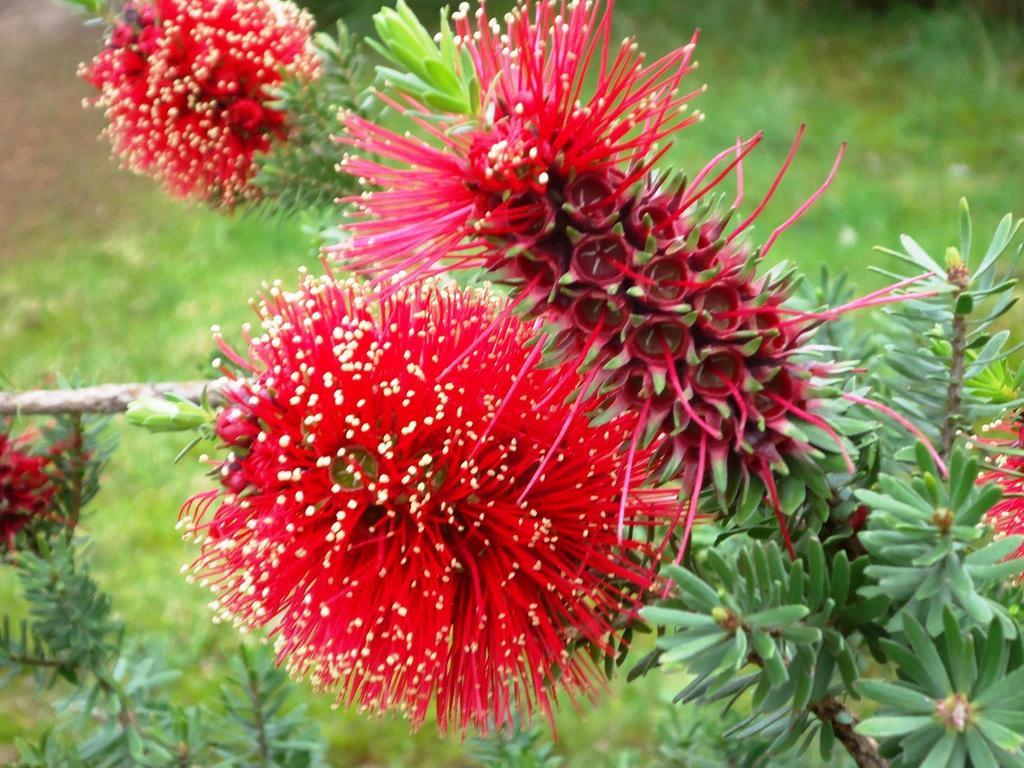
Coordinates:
<point>934,345</point>
<point>436,74</point>
<point>70,627</point>
<point>686,737</point>
<point>300,175</point>
<point>753,621</point>
<point>79,447</point>
<point>116,708</point>
<point>263,730</point>
<point>118,711</point>
<point>787,641</point>
<point>516,748</point>
<point>957,701</point>
<point>94,8</point>
<point>929,548</point>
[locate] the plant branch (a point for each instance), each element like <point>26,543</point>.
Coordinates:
<point>104,398</point>
<point>954,394</point>
<point>33,661</point>
<point>863,749</point>
<point>256,699</point>
<point>958,344</point>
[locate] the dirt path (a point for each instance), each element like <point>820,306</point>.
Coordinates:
<point>54,174</point>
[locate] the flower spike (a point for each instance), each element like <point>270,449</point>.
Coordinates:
<point>368,512</point>
<point>185,85</point>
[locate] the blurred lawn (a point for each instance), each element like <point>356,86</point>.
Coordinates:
<point>102,278</point>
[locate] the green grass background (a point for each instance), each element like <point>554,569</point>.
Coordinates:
<point>102,278</point>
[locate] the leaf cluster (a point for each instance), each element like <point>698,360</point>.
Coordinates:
<point>755,623</point>
<point>946,362</point>
<point>433,71</point>
<point>300,175</point>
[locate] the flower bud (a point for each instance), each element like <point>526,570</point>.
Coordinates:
<point>169,414</point>
<point>235,428</point>
<point>591,201</point>
<point>601,260</point>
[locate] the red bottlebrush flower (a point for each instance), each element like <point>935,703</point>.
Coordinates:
<point>504,172</point>
<point>372,518</point>
<point>1007,516</point>
<point>645,285</point>
<point>26,489</point>
<point>184,84</point>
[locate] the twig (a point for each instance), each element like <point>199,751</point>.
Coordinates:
<point>105,398</point>
<point>34,661</point>
<point>960,278</point>
<point>954,395</point>
<point>863,749</point>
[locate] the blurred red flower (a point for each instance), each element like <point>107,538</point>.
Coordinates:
<point>1007,516</point>
<point>26,488</point>
<point>184,84</point>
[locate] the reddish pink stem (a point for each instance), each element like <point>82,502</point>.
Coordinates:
<point>903,422</point>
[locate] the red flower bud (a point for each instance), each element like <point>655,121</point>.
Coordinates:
<point>720,373</point>
<point>660,342</point>
<point>652,218</point>
<point>601,260</point>
<point>149,38</point>
<point>236,428</point>
<point>122,36</point>
<point>717,311</point>
<point>245,116</point>
<point>592,200</point>
<point>597,309</point>
<point>663,282</point>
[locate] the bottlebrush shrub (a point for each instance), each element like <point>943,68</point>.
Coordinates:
<point>185,87</point>
<point>377,509</point>
<point>432,499</point>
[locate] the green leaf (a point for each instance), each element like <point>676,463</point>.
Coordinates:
<point>895,725</point>
<point>815,572</point>
<point>774,617</point>
<point>689,646</point>
<point>939,754</point>
<point>840,578</point>
<point>826,741</point>
<point>672,617</point>
<point>800,634</point>
<point>1007,693</point>
<point>964,304</point>
<point>920,257</point>
<point>999,735</point>
<point>763,644</point>
<point>965,231</point>
<point>909,664</point>
<point>993,658</point>
<point>925,650</point>
<point>775,668</point>
<point>979,751</point>
<point>897,696</point>
<point>1004,234</point>
<point>694,589</point>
